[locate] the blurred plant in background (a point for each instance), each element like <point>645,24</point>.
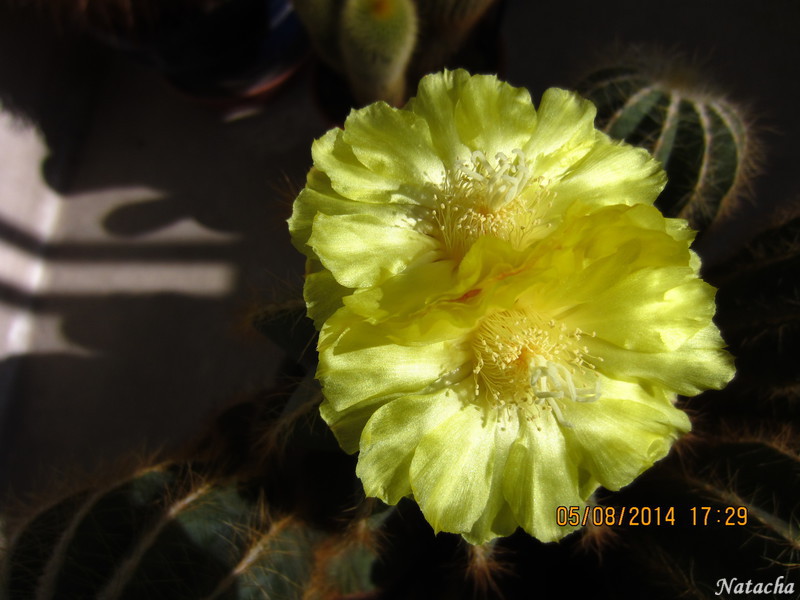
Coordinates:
<point>383,47</point>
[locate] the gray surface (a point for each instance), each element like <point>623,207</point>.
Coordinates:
<point>170,226</point>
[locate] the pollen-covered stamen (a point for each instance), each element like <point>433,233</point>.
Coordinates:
<point>524,364</point>
<point>480,197</point>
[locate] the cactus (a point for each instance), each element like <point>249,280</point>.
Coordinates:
<point>704,141</point>
<point>170,532</point>
<point>381,45</point>
<point>377,38</point>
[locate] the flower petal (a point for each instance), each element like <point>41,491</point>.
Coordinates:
<point>652,310</point>
<point>349,177</point>
<point>611,173</point>
<point>322,293</point>
<point>624,432</point>
<point>357,362</point>
<point>492,116</point>
<point>453,468</point>
<point>397,145</point>
<point>542,474</point>
<point>348,423</point>
<point>390,439</point>
<point>564,133</point>
<point>697,365</point>
<point>361,251</point>
<point>435,102</point>
<point>497,519</point>
<point>319,197</point>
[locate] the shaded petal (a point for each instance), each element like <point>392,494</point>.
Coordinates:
<point>351,179</point>
<point>397,145</point>
<point>435,102</point>
<point>698,364</point>
<point>319,197</point>
<point>652,310</point>
<point>348,424</point>
<point>542,474</point>
<point>610,173</point>
<point>624,432</point>
<point>564,133</point>
<point>390,439</point>
<point>362,251</point>
<point>497,519</point>
<point>491,116</point>
<point>453,469</point>
<point>322,293</point>
<point>357,362</point>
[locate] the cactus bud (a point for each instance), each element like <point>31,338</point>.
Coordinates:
<point>704,141</point>
<point>377,39</point>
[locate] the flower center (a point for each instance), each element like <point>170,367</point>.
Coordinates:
<point>499,198</point>
<point>524,364</point>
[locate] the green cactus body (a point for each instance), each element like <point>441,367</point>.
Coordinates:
<point>377,38</point>
<point>170,533</point>
<point>702,140</point>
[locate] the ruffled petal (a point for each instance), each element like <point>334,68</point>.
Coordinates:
<point>564,133</point>
<point>492,116</point>
<point>624,432</point>
<point>435,102</point>
<point>395,144</point>
<point>322,293</point>
<point>652,310</point>
<point>390,439</point>
<point>353,180</point>
<point>357,362</point>
<point>348,424</point>
<point>453,469</point>
<point>610,173</point>
<point>362,251</point>
<point>497,519</point>
<point>700,363</point>
<point>542,474</point>
<point>318,197</point>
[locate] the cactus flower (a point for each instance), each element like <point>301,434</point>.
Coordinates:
<point>506,320</point>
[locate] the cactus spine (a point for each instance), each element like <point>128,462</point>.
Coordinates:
<point>704,141</point>
<point>168,532</point>
<point>377,38</point>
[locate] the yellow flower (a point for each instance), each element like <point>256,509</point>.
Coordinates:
<point>468,157</point>
<point>505,318</point>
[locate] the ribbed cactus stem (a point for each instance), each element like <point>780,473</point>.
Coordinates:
<point>704,141</point>
<point>321,20</point>
<point>168,532</point>
<point>377,39</point>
